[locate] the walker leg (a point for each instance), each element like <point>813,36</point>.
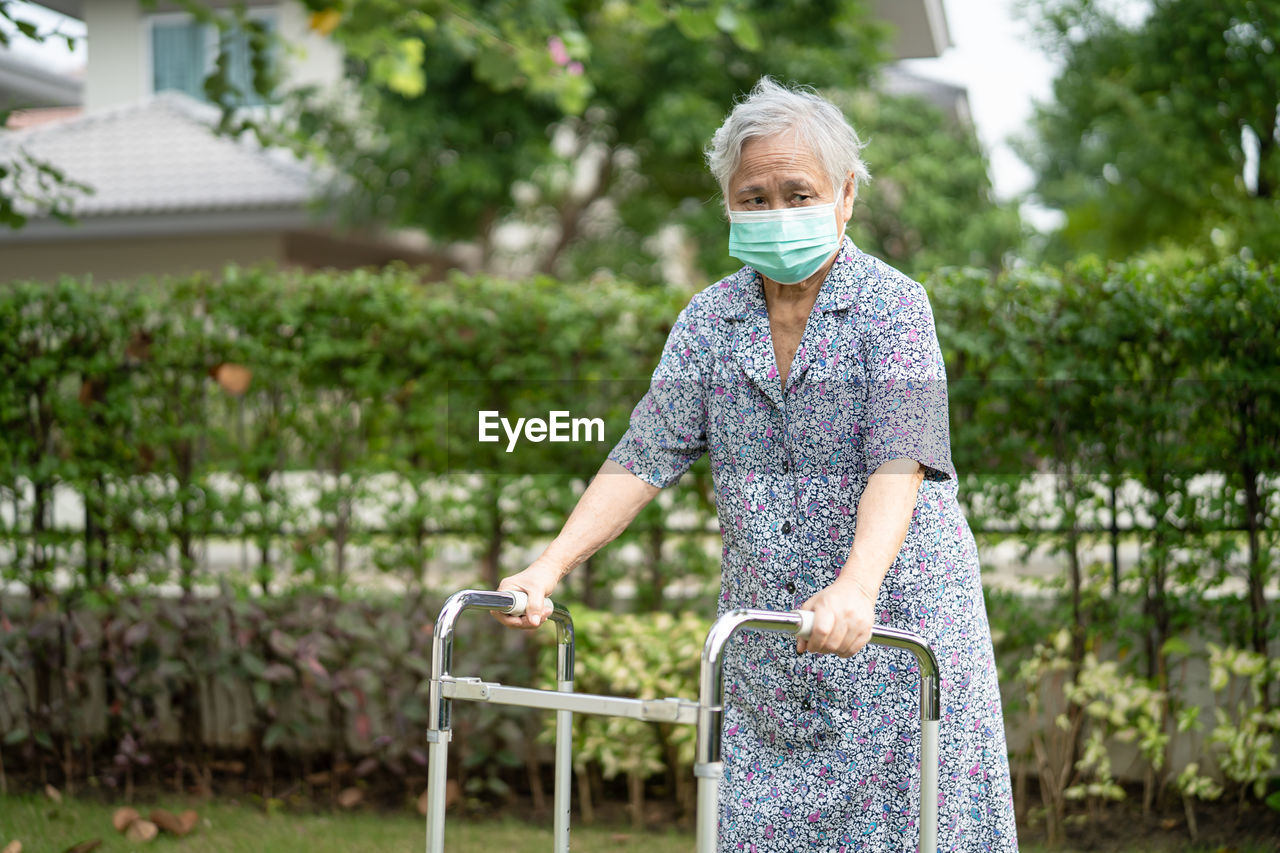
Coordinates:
<point>564,767</point>
<point>708,816</point>
<point>437,764</point>
<point>929,786</point>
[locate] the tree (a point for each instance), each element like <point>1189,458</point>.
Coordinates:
<point>584,122</point>
<point>632,94</point>
<point>930,202</point>
<point>1162,131</point>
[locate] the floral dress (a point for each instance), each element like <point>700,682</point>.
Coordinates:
<point>823,752</point>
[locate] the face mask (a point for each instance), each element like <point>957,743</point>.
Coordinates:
<point>786,245</point>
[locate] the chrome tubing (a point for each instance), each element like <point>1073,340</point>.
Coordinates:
<point>709,767</point>
<point>440,707</point>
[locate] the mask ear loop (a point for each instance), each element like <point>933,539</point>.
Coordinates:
<point>839,204</point>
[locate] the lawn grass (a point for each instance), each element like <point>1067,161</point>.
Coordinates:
<point>229,827</point>
<point>41,825</point>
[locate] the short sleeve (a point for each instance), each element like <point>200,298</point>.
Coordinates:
<point>906,379</point>
<point>668,427</point>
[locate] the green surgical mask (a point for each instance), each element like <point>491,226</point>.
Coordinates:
<point>786,245</point>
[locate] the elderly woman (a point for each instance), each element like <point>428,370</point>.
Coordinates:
<point>813,378</point>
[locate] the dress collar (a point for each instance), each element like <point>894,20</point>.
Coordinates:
<point>742,293</point>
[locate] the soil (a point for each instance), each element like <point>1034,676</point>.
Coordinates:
<point>1222,827</point>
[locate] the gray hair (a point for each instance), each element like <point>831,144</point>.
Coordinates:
<point>771,109</point>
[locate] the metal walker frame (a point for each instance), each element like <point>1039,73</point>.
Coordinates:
<point>707,713</point>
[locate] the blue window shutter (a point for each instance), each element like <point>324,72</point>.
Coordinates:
<point>178,57</point>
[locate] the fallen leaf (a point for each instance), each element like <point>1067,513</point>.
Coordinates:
<point>166,820</point>
<point>349,797</point>
<point>234,378</point>
<point>123,817</point>
<point>142,831</point>
<point>53,794</point>
<point>177,824</point>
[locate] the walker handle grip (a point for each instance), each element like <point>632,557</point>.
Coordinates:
<point>520,602</point>
<point>806,623</point>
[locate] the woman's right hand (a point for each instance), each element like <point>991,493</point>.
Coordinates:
<point>538,581</point>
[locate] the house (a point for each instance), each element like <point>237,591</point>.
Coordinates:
<point>25,84</point>
<point>169,196</point>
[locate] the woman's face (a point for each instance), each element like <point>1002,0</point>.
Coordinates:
<point>779,172</point>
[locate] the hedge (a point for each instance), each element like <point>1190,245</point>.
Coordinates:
<point>1119,405</point>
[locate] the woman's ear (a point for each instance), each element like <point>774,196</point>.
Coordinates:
<point>848,196</point>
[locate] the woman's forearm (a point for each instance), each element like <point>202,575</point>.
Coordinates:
<point>610,503</point>
<point>884,514</point>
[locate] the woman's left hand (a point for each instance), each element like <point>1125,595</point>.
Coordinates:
<point>843,615</point>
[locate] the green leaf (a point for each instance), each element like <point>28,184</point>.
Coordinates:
<point>495,65</point>
<point>696,24</point>
<point>401,70</point>
<point>649,13</point>
<point>273,735</point>
<point>253,665</point>
<point>747,35</point>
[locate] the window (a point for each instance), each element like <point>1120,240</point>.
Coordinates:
<point>184,52</point>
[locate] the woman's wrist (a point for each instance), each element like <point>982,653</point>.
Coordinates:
<point>850,573</point>
<point>848,577</point>
<point>550,569</point>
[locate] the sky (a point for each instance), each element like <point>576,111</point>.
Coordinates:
<point>993,55</point>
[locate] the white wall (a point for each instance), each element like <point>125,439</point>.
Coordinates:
<point>117,55</point>
<point>119,50</point>
<point>312,59</point>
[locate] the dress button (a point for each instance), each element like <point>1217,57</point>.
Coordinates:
<point>786,527</point>
<point>791,588</point>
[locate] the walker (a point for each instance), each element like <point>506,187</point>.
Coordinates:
<point>706,713</point>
